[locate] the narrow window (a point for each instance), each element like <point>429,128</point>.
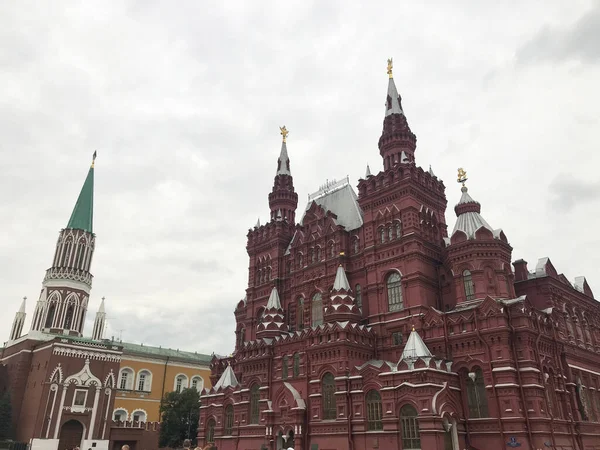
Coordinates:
<point>356,247</point>
<point>329,408</point>
<point>318,253</point>
<point>69,318</point>
<point>397,338</point>
<point>382,235</point>
<point>300,313</point>
<point>358,295</point>
<point>179,384</point>
<point>50,316</point>
<point>317,310</point>
<point>254,404</point>
<point>374,422</point>
<point>124,379</point>
<point>394,288</point>
<point>476,395</point>
<point>142,382</point>
<point>284,367</point>
<point>332,250</point>
<point>391,233</point>
<point>468,283</point>
<point>296,365</point>
<point>210,431</point>
<point>411,437</point>
<point>228,430</point>
<point>398,227</point>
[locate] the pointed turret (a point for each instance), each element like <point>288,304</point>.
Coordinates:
<point>478,254</point>
<point>66,287</point>
<point>397,142</point>
<point>342,306</point>
<point>82,217</point>
<point>228,379</point>
<point>415,347</point>
<point>283,199</point>
<point>273,322</point>
<point>99,322</point>
<point>17,327</point>
<point>368,172</point>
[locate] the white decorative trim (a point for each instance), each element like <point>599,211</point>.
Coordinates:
<point>58,369</point>
<point>84,377</point>
<point>200,384</point>
<point>87,354</point>
<point>161,360</point>
<point>79,408</point>
<point>141,411</point>
<point>120,408</point>
<point>147,383</point>
<point>111,377</point>
<point>130,371</point>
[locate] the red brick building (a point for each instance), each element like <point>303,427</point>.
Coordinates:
<point>368,325</point>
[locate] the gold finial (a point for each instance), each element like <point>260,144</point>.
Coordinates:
<point>462,176</point>
<point>284,132</point>
<point>94,158</point>
<point>389,69</point>
<point>342,254</point>
<point>413,328</point>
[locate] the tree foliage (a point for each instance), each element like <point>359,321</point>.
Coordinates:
<point>180,413</point>
<point>5,417</point>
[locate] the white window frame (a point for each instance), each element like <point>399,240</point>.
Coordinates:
<point>79,408</point>
<point>121,409</point>
<point>200,382</point>
<point>147,381</point>
<point>184,382</point>
<point>138,412</point>
<point>130,385</point>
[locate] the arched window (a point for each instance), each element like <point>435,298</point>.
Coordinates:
<point>139,416</point>
<point>296,365</point>
<point>553,407</point>
<point>398,228</point>
<point>332,250</point>
<point>197,383</point>
<point>144,382</point>
<point>69,318</point>
<point>358,295</point>
<point>374,411</point>
<point>476,395</point>
<point>210,430</point>
<point>355,245</point>
<point>300,313</point>
<point>313,255</point>
<point>241,337</point>
<point>318,253</point>
<point>67,252</point>
<point>120,415</point>
<point>228,430</point>
<point>269,276</point>
<point>181,383</point>
<point>411,437</point>
<point>284,367</point>
<point>382,235</point>
<point>468,283</point>
<point>391,233</point>
<point>299,260</point>
<point>328,392</point>
<point>254,404</point>
<point>394,289</point>
<point>80,252</point>
<point>50,316</point>
<point>126,379</point>
<point>317,309</point>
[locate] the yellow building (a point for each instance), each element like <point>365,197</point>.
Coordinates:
<point>147,373</point>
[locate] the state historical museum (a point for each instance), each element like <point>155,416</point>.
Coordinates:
<point>367,325</point>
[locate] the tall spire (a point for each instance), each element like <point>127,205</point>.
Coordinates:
<point>99,322</point>
<point>283,200</point>
<point>82,217</point>
<point>397,142</point>
<point>283,162</point>
<point>17,327</point>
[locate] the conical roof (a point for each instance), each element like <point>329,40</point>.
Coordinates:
<point>341,280</point>
<point>283,162</point>
<point>228,379</point>
<point>22,308</point>
<point>394,102</point>
<point>82,217</point>
<point>469,219</point>
<point>415,347</point>
<point>274,302</point>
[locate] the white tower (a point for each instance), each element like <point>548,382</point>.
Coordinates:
<point>99,322</point>
<point>17,328</point>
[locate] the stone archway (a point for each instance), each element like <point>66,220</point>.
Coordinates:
<point>71,435</point>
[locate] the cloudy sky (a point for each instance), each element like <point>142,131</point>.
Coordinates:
<point>183,102</point>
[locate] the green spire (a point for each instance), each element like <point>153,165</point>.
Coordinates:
<point>82,217</point>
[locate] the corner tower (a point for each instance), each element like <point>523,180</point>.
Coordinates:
<point>63,302</point>
<point>397,142</point>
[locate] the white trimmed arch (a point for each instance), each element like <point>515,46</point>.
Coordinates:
<point>143,380</point>
<point>199,383</point>
<point>126,378</point>
<point>122,412</point>
<point>141,413</point>
<point>181,382</point>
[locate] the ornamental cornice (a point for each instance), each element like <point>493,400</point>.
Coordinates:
<point>86,354</point>
<point>62,273</point>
